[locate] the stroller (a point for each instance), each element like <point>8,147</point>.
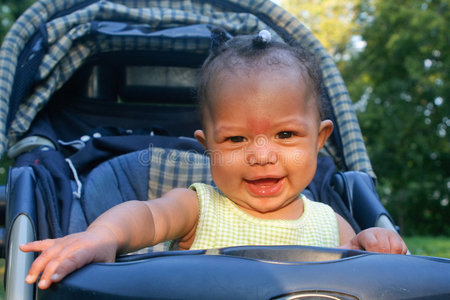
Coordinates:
<point>97,108</point>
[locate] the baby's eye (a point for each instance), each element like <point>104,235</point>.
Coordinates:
<point>236,139</point>
<point>285,134</point>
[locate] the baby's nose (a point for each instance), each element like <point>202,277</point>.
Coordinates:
<point>262,159</point>
<point>261,152</point>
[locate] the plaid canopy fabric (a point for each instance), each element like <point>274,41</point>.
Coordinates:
<point>68,26</point>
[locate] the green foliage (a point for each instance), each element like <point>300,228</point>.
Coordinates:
<point>401,80</point>
<point>4,167</point>
<point>10,10</point>
<point>331,21</point>
<point>400,84</point>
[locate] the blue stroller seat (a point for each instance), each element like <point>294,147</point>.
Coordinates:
<point>141,175</point>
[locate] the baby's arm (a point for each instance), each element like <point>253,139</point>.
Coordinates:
<point>126,227</point>
<point>373,239</point>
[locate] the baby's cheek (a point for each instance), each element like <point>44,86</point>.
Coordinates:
<point>222,166</point>
<point>296,157</point>
<point>223,160</point>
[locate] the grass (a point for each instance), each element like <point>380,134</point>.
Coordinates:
<point>429,246</point>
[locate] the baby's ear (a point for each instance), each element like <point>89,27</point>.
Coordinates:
<point>200,136</point>
<point>325,130</point>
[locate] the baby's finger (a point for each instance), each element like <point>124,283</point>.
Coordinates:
<point>397,245</point>
<point>48,273</point>
<point>383,244</point>
<point>39,264</point>
<point>37,246</point>
<point>353,244</point>
<point>405,249</point>
<point>67,261</point>
<point>61,270</point>
<point>368,241</point>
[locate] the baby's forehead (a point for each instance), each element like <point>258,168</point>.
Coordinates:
<point>272,61</point>
<point>265,71</point>
<point>255,86</point>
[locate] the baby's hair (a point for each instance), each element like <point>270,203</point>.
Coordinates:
<point>253,51</point>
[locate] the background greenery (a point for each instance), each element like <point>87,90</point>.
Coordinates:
<point>395,59</point>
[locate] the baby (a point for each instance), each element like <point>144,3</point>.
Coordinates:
<point>263,127</point>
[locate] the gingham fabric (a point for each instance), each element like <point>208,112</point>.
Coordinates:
<point>170,168</point>
<point>223,224</point>
<point>70,43</point>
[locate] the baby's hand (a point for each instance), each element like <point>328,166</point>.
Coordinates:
<point>378,240</point>
<point>62,256</point>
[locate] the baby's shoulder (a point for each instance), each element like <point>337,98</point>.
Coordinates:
<point>180,194</point>
<point>205,190</point>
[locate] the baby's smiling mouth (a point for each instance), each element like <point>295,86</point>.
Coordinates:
<point>265,186</point>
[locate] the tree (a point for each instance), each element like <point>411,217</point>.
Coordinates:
<point>10,10</point>
<point>402,82</point>
<point>331,21</point>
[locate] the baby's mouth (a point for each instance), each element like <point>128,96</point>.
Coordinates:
<point>265,186</point>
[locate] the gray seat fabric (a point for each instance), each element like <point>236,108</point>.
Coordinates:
<point>113,182</point>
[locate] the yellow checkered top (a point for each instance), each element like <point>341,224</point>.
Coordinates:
<point>223,224</point>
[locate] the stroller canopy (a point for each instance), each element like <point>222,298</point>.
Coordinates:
<point>54,38</point>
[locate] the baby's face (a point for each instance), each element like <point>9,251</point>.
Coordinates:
<point>263,135</point>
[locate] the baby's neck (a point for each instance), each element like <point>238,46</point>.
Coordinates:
<point>292,211</point>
